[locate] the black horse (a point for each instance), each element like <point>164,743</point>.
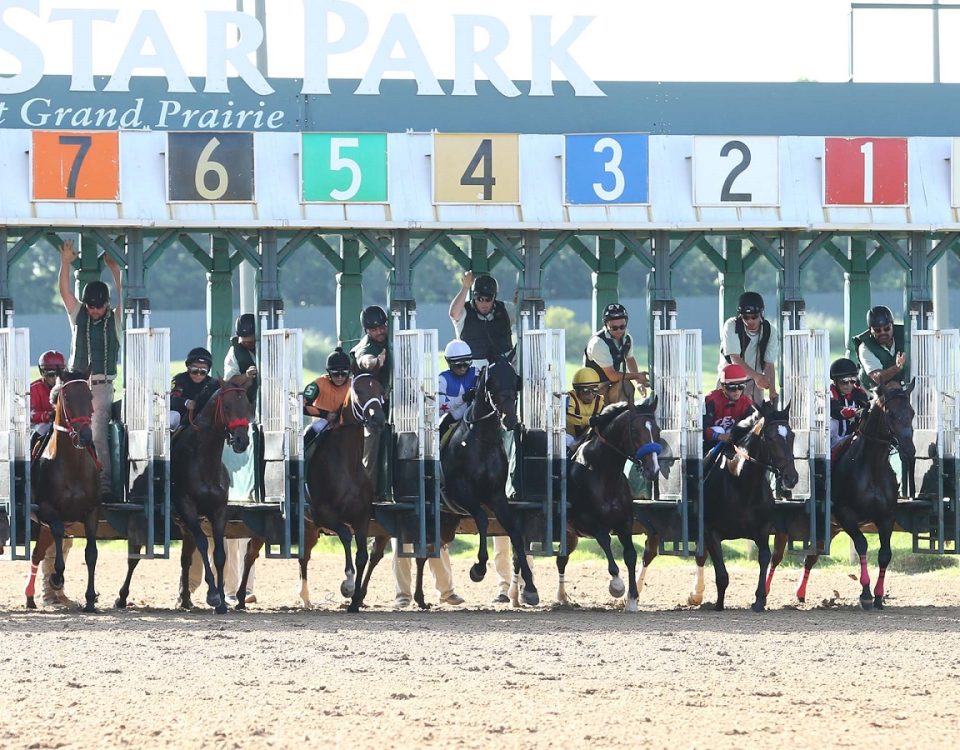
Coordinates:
<point>66,484</point>
<point>199,486</point>
<point>474,465</point>
<point>864,487</point>
<point>340,490</point>
<point>599,494</point>
<point>738,500</point>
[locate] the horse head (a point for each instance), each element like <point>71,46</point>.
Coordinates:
<point>229,408</point>
<point>499,384</point>
<point>366,401</point>
<point>74,407</point>
<point>892,405</point>
<point>633,433</point>
<point>775,433</point>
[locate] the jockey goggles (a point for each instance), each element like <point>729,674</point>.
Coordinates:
<point>51,373</point>
<point>848,381</point>
<point>338,373</point>
<point>198,370</point>
<point>734,386</point>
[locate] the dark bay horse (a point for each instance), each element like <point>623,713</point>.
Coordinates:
<point>738,500</point>
<point>200,485</point>
<point>340,491</point>
<point>599,494</point>
<point>66,484</point>
<point>864,487</point>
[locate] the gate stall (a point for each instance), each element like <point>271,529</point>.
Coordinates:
<point>542,452</point>
<point>414,515</point>
<point>15,441</point>
<point>933,514</point>
<point>672,508</point>
<point>804,511</point>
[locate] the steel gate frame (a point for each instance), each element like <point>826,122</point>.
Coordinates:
<point>15,492</point>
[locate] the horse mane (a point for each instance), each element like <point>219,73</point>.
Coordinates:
<point>63,378</point>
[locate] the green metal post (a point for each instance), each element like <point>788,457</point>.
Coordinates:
<point>856,293</point>
<point>479,259</point>
<point>89,264</point>
<point>6,302</point>
<point>791,302</point>
<point>349,294</point>
<point>732,278</point>
<point>606,280</point>
<point>219,300</point>
<point>271,301</point>
<point>917,299</point>
<point>530,294</point>
<point>134,287</point>
<point>402,304</point>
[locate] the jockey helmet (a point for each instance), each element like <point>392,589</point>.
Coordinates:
<point>614,311</point>
<point>878,316</point>
<point>484,285</point>
<point>457,351</point>
<point>734,374</point>
<point>246,325</point>
<point>338,360</point>
<point>843,368</point>
<point>750,303</point>
<point>199,355</point>
<point>373,316</point>
<point>96,293</point>
<point>585,376</point>
<point>51,360</point>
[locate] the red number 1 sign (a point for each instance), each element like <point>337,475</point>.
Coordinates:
<point>865,172</point>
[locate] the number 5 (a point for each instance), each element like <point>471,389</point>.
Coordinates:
<point>339,162</point>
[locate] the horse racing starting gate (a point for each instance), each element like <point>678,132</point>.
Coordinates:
<point>804,512</point>
<point>15,441</point>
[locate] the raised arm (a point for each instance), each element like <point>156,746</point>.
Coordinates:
<point>67,256</point>
<point>115,272</point>
<point>456,305</point>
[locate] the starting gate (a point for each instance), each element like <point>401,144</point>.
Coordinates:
<point>542,449</point>
<point>144,514</point>
<point>414,515</point>
<point>673,509</point>
<point>281,418</point>
<point>804,511</point>
<point>933,515</point>
<point>15,441</point>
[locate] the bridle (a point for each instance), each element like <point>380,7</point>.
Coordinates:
<point>219,417</point>
<point>75,423</point>
<point>495,411</point>
<point>644,449</point>
<point>360,410</point>
<point>891,440</point>
<point>758,431</point>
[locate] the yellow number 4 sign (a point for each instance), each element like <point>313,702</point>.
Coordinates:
<point>476,168</point>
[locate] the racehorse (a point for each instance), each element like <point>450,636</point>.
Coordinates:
<point>340,490</point>
<point>864,487</point>
<point>738,501</point>
<point>474,465</point>
<point>599,494</point>
<point>66,484</point>
<point>199,486</point>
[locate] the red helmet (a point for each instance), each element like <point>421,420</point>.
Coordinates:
<point>734,374</point>
<point>51,360</point>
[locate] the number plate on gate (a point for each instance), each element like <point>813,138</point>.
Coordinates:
<point>601,169</point>
<point>75,166</point>
<point>210,167</point>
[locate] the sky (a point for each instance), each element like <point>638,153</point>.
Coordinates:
<point>640,40</point>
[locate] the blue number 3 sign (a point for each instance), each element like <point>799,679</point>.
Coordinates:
<point>606,168</point>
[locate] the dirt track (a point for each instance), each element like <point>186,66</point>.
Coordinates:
<point>824,675</point>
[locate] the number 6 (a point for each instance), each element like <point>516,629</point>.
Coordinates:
<point>206,165</point>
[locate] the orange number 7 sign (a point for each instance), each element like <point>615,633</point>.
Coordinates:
<point>75,166</point>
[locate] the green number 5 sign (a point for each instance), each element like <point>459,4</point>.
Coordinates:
<point>344,167</point>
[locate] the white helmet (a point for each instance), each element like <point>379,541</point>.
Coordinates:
<point>457,351</point>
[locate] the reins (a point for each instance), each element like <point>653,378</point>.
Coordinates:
<point>74,422</point>
<point>218,415</point>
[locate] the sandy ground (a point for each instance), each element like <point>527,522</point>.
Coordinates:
<point>822,675</point>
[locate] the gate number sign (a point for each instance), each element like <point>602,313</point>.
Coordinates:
<point>736,171</point>
<point>476,168</point>
<point>75,166</point>
<point>865,172</point>
<point>210,167</point>
<point>606,168</point>
<point>344,167</point>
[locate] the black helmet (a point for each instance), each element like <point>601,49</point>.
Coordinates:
<point>614,311</point>
<point>96,293</point>
<point>484,285</point>
<point>197,355</point>
<point>879,315</point>
<point>750,303</point>
<point>843,368</point>
<point>373,316</point>
<point>246,325</point>
<point>338,360</point>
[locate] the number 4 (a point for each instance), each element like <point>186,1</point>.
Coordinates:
<point>486,180</point>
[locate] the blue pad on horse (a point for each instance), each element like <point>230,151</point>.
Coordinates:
<point>647,449</point>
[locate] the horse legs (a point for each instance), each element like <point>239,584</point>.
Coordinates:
<point>133,559</point>
<point>715,549</point>
<point>479,569</point>
<point>187,548</point>
<point>630,560</point>
<point>850,525</point>
<point>763,557</point>
<point>502,512</point>
<point>253,552</point>
<point>418,592</point>
<point>362,557</point>
<point>617,588</point>
<point>884,531</point>
<point>349,584</point>
<point>219,524</point>
<point>56,578</point>
<point>90,555</point>
<point>651,548</point>
<point>310,539</point>
<point>695,599</point>
<point>572,540</point>
<point>808,562</point>
<point>379,546</point>
<point>40,547</point>
<point>779,548</point>
<point>214,599</point>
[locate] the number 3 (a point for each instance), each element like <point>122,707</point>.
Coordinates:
<point>338,163</point>
<point>206,165</point>
<point>612,166</point>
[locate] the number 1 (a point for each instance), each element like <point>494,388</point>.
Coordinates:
<point>867,150</point>
<point>84,142</point>
<point>487,180</point>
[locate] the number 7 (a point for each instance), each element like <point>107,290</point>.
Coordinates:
<point>84,142</point>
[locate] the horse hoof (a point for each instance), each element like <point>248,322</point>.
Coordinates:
<point>757,607</point>
<point>617,587</point>
<point>31,604</point>
<point>56,582</point>
<point>802,599</point>
<point>630,605</point>
<point>241,605</point>
<point>530,597</point>
<point>185,603</point>
<point>866,603</point>
<point>354,608</point>
<point>214,600</point>
<point>423,605</point>
<point>477,572</point>
<point>878,602</point>
<point>718,607</point>
<point>221,609</point>
<point>694,601</point>
<point>120,603</point>
<point>347,588</point>
<point>90,608</point>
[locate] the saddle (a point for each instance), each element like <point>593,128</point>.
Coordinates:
<point>841,447</point>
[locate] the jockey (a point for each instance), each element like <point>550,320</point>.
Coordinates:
<point>457,384</point>
<point>192,388</point>
<point>847,400</point>
<point>608,354</point>
<point>325,396</point>
<point>583,402</point>
<point>727,405</point>
<point>51,364</point>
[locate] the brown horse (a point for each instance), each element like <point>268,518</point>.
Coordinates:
<point>66,484</point>
<point>864,488</point>
<point>200,484</point>
<point>340,491</point>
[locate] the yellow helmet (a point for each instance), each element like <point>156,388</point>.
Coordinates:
<point>586,376</point>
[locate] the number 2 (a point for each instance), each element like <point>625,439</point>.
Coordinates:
<point>339,162</point>
<point>84,142</point>
<point>612,167</point>
<point>867,150</point>
<point>484,154</point>
<point>725,194</point>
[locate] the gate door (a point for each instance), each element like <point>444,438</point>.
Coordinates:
<point>414,515</point>
<point>935,515</point>
<point>805,510</point>
<point>281,418</point>
<point>673,509</point>
<point>543,445</point>
<point>15,442</point>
